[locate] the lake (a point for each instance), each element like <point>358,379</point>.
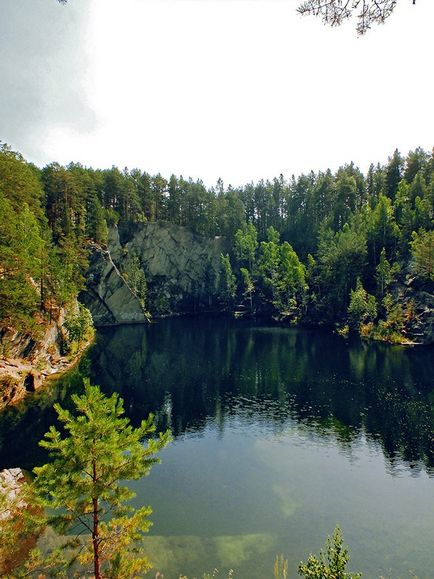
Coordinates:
<point>279,435</point>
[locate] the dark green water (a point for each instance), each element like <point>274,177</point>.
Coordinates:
<point>280,434</point>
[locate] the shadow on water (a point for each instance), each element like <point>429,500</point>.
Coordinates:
<point>196,372</point>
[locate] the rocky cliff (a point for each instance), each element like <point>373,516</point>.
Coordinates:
<point>420,294</point>
<point>25,363</point>
<point>108,295</point>
<point>181,271</point>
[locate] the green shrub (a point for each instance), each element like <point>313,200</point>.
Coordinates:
<point>79,327</point>
<point>330,564</point>
<point>362,308</point>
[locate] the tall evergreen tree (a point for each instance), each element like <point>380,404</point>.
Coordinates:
<point>393,174</point>
<point>83,482</point>
<point>246,244</point>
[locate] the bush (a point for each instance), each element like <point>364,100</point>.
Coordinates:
<point>79,327</point>
<point>330,564</point>
<point>362,308</point>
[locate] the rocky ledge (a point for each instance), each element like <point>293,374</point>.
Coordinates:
<point>11,480</point>
<point>26,364</point>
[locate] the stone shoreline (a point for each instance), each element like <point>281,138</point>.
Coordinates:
<point>20,377</point>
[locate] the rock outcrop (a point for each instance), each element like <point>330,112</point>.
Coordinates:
<point>25,363</point>
<point>182,272</point>
<point>420,293</point>
<point>18,538</point>
<point>108,296</point>
<point>11,480</point>
<point>181,269</point>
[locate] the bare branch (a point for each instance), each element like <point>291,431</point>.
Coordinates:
<point>334,12</point>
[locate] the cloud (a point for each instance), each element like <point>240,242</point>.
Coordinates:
<point>42,63</point>
<point>241,89</point>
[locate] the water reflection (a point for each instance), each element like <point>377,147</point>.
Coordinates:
<point>194,372</point>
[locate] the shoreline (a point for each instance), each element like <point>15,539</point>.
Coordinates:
<point>268,318</point>
<point>19,377</point>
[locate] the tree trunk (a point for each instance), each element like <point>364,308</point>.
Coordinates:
<point>95,532</point>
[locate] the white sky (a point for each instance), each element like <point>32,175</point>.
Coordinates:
<point>245,89</point>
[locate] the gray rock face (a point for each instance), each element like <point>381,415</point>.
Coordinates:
<point>108,295</point>
<point>421,294</point>
<point>182,272</point>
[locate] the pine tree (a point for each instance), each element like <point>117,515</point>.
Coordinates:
<point>330,565</point>
<point>341,260</point>
<point>393,174</point>
<point>136,279</point>
<point>382,228</point>
<point>249,286</point>
<point>246,244</point>
<point>228,281</point>
<point>21,248</point>
<point>362,307</point>
<point>385,272</point>
<point>292,278</point>
<point>268,268</point>
<point>83,480</point>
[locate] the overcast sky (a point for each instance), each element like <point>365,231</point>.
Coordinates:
<point>238,89</point>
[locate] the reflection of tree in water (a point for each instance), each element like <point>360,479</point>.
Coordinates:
<point>197,372</point>
<point>23,425</point>
<point>205,370</point>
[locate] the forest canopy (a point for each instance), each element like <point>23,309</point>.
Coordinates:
<point>300,244</point>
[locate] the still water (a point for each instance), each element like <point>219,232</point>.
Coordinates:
<point>279,435</point>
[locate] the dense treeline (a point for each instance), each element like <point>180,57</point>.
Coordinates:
<point>356,236</point>
<point>37,275</point>
<point>311,244</point>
